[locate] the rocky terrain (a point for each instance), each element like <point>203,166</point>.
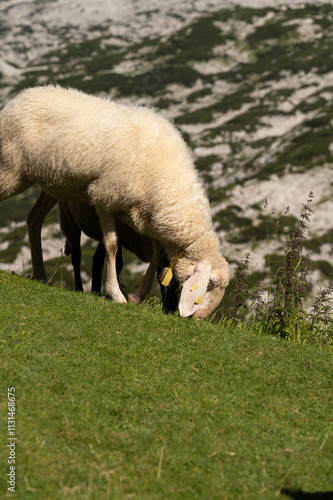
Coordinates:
<point>249,84</point>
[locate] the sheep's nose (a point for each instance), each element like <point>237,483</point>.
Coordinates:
<point>200,314</point>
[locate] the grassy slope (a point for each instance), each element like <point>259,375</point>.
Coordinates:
<point>121,402</point>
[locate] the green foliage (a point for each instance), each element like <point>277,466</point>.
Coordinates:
<point>120,401</point>
<point>285,313</point>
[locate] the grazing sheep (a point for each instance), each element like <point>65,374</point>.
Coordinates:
<point>128,162</point>
<point>72,232</point>
<point>76,217</point>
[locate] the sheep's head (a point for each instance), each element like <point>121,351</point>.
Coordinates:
<point>203,290</point>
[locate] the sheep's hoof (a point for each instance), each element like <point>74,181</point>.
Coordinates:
<point>133,298</point>
<point>118,300</point>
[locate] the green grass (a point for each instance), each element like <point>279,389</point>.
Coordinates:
<point>123,402</point>
<point>119,402</point>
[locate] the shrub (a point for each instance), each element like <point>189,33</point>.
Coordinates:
<point>284,312</point>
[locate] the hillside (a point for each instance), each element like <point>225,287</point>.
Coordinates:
<point>120,401</point>
<point>250,89</point>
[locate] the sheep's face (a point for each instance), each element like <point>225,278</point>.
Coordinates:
<point>211,299</point>
<point>203,291</point>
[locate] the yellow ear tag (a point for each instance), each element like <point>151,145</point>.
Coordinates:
<point>167,278</point>
<point>198,300</point>
<point>194,287</point>
<point>168,275</point>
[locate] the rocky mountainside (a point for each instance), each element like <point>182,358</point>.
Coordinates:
<point>249,84</point>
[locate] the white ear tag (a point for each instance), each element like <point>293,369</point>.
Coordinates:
<point>193,290</point>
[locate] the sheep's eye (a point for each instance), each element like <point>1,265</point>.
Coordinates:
<point>212,284</point>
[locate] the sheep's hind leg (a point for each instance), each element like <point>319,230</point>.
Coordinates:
<point>76,259</point>
<point>108,224</point>
<point>76,263</point>
<point>35,221</point>
<point>144,286</point>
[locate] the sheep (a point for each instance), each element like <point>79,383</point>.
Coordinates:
<point>130,163</point>
<point>75,217</point>
<point>72,247</point>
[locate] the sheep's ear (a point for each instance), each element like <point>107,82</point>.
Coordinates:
<point>194,289</point>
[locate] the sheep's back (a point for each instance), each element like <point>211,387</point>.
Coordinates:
<point>83,148</point>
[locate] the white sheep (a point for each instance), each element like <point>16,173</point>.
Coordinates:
<point>128,162</point>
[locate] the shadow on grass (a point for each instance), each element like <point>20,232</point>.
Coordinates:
<point>302,495</point>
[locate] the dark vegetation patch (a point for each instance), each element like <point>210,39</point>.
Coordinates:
<point>195,96</point>
<point>15,238</point>
<point>314,244</point>
<point>324,267</point>
<point>17,208</point>
<point>204,163</point>
<point>228,217</point>
<point>307,149</point>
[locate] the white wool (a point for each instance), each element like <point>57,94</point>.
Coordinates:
<point>124,160</point>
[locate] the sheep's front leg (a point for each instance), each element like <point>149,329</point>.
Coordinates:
<point>108,225</point>
<point>144,286</point>
<point>35,221</point>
